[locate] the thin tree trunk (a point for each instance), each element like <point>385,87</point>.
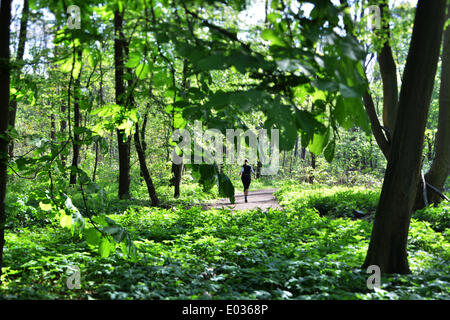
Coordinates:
<point>100,103</point>
<point>387,248</point>
<point>177,169</point>
<point>303,153</point>
<point>76,135</point>
<point>313,166</point>
<point>5,21</point>
<point>63,126</point>
<point>96,162</point>
<point>124,164</point>
<point>52,127</point>
<point>144,169</point>
<point>123,141</point>
<point>19,58</point>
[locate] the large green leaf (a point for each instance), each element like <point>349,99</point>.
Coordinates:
<point>270,35</point>
<point>225,186</point>
<point>133,60</point>
<point>319,142</point>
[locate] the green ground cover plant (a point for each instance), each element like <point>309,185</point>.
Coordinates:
<point>295,253</point>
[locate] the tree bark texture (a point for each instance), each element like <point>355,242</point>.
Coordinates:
<point>388,242</point>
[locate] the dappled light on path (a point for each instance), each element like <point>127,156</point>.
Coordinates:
<point>262,199</point>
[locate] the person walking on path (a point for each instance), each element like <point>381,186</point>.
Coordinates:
<point>246,177</point>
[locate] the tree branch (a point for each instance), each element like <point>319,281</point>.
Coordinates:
<point>376,127</point>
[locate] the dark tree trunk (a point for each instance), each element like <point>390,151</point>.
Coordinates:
<point>388,72</point>
<point>258,169</point>
<point>63,126</point>
<point>440,168</point>
<point>123,144</point>
<point>296,148</point>
<point>144,169</point>
<point>303,153</point>
<point>143,143</point>
<point>5,21</point>
<point>96,162</point>
<point>388,242</point>
<point>52,127</point>
<point>124,164</point>
<point>177,170</point>
<point>76,136</point>
<point>19,57</point>
<point>313,166</point>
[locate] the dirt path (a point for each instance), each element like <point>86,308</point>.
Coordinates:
<point>263,199</point>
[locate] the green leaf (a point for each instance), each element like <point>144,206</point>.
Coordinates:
<point>105,247</point>
<point>270,35</point>
<point>142,70</point>
<point>216,61</point>
<point>349,92</point>
<point>92,236</point>
<point>45,206</point>
<point>66,221</point>
<point>329,151</point>
<point>66,65</point>
<point>343,114</point>
<point>225,186</point>
<point>319,142</point>
<point>307,122</point>
<point>325,85</point>
<point>133,60</point>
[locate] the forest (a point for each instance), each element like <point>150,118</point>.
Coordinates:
<point>124,126</point>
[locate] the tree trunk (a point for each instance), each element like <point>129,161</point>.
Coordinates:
<point>95,162</point>
<point>144,169</point>
<point>63,125</point>
<point>388,242</point>
<point>440,168</point>
<point>313,166</point>
<point>19,57</point>
<point>5,21</point>
<point>123,144</point>
<point>388,72</point>
<point>177,169</point>
<point>124,164</point>
<point>52,127</point>
<point>76,135</point>
<point>303,153</point>
<point>258,169</point>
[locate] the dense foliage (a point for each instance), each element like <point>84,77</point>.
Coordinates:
<point>86,156</point>
<point>296,253</point>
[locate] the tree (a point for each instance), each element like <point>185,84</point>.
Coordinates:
<point>438,173</point>
<point>19,58</point>
<point>387,247</point>
<point>5,21</point>
<point>124,142</point>
<point>76,121</point>
<point>143,166</point>
<point>440,167</point>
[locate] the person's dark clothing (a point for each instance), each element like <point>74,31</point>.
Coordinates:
<point>246,176</point>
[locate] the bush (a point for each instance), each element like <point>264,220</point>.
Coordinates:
<point>438,216</point>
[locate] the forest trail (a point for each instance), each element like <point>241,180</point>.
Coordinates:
<point>262,199</point>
